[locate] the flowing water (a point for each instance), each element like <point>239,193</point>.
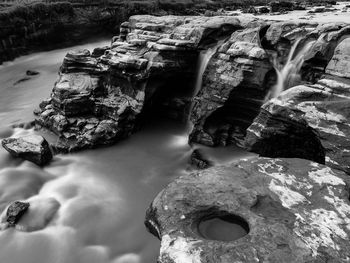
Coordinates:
<point>288,75</point>
<point>102,194</point>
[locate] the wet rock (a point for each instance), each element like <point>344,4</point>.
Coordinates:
<point>199,160</point>
<point>33,148</point>
<point>234,84</point>
<point>309,121</point>
<point>15,211</point>
<point>32,73</point>
<point>40,214</point>
<point>151,65</point>
<point>297,211</point>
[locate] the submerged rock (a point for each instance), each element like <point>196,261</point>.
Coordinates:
<point>293,210</point>
<point>199,160</point>
<point>15,211</point>
<point>33,148</point>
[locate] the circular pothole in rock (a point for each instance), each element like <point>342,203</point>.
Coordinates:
<point>223,227</point>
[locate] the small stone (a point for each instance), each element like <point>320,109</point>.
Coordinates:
<point>32,73</point>
<point>15,211</point>
<point>199,160</point>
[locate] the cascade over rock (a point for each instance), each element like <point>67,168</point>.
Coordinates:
<point>297,211</point>
<point>150,67</point>
<point>242,73</point>
<point>234,84</point>
<point>309,121</point>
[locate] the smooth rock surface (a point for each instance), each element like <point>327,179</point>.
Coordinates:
<point>33,148</point>
<point>297,211</point>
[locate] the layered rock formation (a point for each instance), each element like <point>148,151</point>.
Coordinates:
<point>297,211</point>
<point>241,74</point>
<point>311,121</point>
<point>234,86</point>
<point>150,67</point>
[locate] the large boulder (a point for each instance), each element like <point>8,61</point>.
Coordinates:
<point>33,148</point>
<point>293,210</point>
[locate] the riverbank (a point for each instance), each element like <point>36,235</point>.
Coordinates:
<point>45,25</point>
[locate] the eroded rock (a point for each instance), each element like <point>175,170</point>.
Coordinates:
<point>297,211</point>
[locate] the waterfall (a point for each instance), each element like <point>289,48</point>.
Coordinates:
<point>289,73</point>
<point>202,64</point>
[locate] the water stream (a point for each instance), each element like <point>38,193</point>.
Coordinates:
<point>103,193</point>
<point>288,75</point>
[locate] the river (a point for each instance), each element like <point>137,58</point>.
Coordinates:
<point>103,193</point>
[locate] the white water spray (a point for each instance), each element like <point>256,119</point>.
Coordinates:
<point>289,73</point>
<point>202,64</point>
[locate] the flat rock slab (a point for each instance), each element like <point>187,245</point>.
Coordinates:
<point>33,148</point>
<point>297,211</point>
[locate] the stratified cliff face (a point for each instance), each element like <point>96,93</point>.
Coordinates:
<point>311,121</point>
<point>150,67</point>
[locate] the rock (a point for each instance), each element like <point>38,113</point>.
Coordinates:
<point>199,160</point>
<point>280,6</point>
<point>150,66</point>
<point>15,211</point>
<point>33,148</point>
<point>234,84</point>
<point>21,80</point>
<point>40,214</point>
<point>340,62</point>
<point>32,73</point>
<point>309,121</point>
<point>296,211</point>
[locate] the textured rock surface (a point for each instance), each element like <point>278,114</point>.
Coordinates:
<point>242,72</point>
<point>33,148</point>
<point>234,84</point>
<point>309,121</point>
<point>14,212</point>
<point>151,66</point>
<point>298,211</point>
<point>199,160</point>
